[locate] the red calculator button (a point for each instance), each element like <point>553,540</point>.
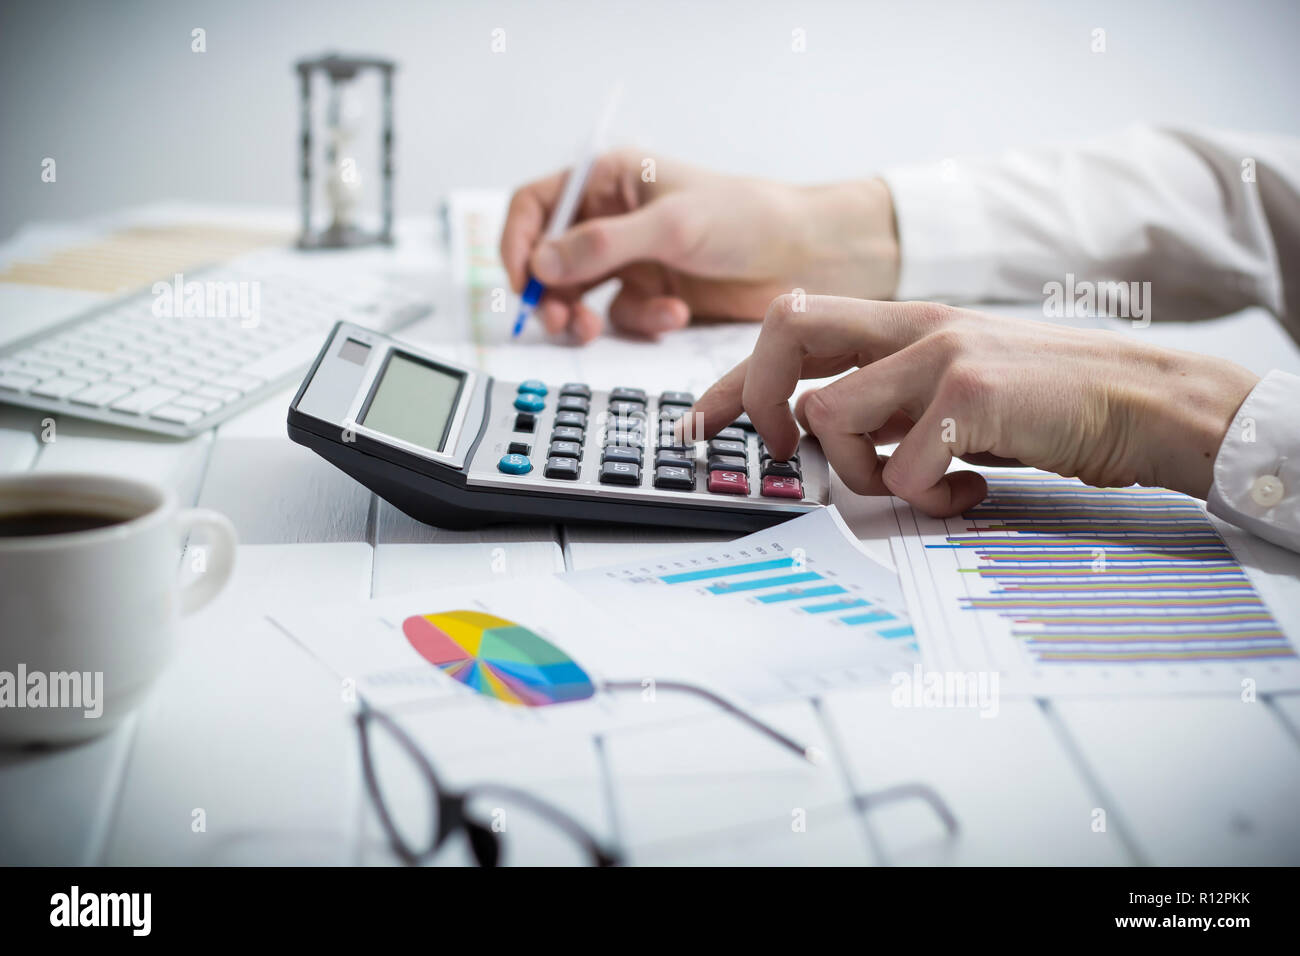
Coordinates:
<point>728,483</point>
<point>774,487</point>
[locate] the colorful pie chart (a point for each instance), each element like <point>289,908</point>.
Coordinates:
<point>497,658</point>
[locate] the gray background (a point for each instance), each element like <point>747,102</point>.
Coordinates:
<point>112,91</point>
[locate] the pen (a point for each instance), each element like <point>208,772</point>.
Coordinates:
<point>567,208</point>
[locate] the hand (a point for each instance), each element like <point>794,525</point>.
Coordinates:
<point>696,243</point>
<point>1103,406</point>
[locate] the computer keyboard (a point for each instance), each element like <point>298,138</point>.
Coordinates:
<point>179,374</point>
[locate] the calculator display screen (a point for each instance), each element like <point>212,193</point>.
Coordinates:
<point>413,401</point>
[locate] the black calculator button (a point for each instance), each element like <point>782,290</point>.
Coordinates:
<point>725,447</point>
<point>525,422</point>
<point>566,468</point>
<point>780,469</point>
<point>620,473</point>
<point>670,413</point>
<point>764,455</point>
<point>519,448</point>
<point>669,442</point>
<point>565,449</point>
<point>730,434</point>
<point>744,422</point>
<point>627,439</point>
<point>573,403</point>
<point>626,410</point>
<point>681,479</point>
<point>624,453</point>
<point>627,395</point>
<point>677,398</point>
<point>674,459</point>
<point>574,419</point>
<point>575,388</point>
<point>568,433</point>
<point>726,463</point>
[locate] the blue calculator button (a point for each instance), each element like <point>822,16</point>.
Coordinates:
<point>515,464</point>
<point>533,387</point>
<point>528,402</point>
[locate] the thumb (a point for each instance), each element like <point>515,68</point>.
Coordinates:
<point>598,247</point>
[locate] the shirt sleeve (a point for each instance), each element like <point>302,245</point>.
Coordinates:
<point>1257,471</point>
<point>1210,219</point>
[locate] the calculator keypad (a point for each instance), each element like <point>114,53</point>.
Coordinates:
<point>611,438</point>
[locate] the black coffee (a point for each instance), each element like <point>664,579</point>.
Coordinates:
<point>32,523</point>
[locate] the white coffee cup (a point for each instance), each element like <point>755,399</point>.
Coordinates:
<point>101,604</point>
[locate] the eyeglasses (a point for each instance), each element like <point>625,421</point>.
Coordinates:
<point>420,813</point>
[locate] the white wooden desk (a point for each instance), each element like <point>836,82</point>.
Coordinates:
<point>248,728</point>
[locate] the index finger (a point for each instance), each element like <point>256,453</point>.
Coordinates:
<point>525,221</point>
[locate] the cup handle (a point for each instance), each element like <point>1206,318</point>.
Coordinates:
<point>221,559</point>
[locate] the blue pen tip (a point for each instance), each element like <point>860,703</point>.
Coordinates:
<point>528,301</point>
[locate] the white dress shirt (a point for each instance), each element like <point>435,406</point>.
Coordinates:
<point>1210,219</point>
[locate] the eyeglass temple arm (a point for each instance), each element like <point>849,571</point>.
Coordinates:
<point>811,754</point>
<point>912,791</point>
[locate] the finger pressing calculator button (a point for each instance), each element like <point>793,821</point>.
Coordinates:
<point>525,422</point>
<point>681,479</point>
<point>764,454</point>
<point>728,483</point>
<point>533,387</point>
<point>780,469</point>
<point>624,453</point>
<point>519,448</point>
<point>566,468</point>
<point>677,398</point>
<point>774,487</point>
<point>620,473</point>
<point>572,419</point>
<point>514,465</point>
<point>573,403</point>
<point>730,434</point>
<point>725,447</point>
<point>567,433</point>
<point>528,402</point>
<point>576,388</point>
<point>727,463</point>
<point>565,449</point>
<point>627,395</point>
<point>675,459</point>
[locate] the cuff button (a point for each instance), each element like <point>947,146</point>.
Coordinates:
<point>1266,490</point>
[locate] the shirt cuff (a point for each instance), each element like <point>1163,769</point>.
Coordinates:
<point>1257,471</point>
<point>945,233</point>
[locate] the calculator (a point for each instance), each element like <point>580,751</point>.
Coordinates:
<point>457,448</point>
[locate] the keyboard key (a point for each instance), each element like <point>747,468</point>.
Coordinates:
<point>565,449</point>
<point>533,387</point>
<point>525,422</point>
<point>627,395</point>
<point>59,360</point>
<point>514,465</point>
<point>685,399</point>
<point>680,479</point>
<point>199,402</point>
<point>621,453</point>
<point>727,463</point>
<point>133,379</point>
<point>573,403</point>
<point>240,383</point>
<point>724,447</point>
<point>779,469</point>
<point>145,400</point>
<point>38,369</point>
<point>60,387</point>
<point>675,459</point>
<point>14,382</point>
<point>620,473</point>
<point>107,365</point>
<point>576,388</point>
<point>572,419</point>
<point>730,434</point>
<point>728,483</point>
<point>565,468</point>
<point>775,487</point>
<point>97,396</point>
<point>224,395</point>
<point>568,433</point>
<point>179,381</point>
<point>176,413</point>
